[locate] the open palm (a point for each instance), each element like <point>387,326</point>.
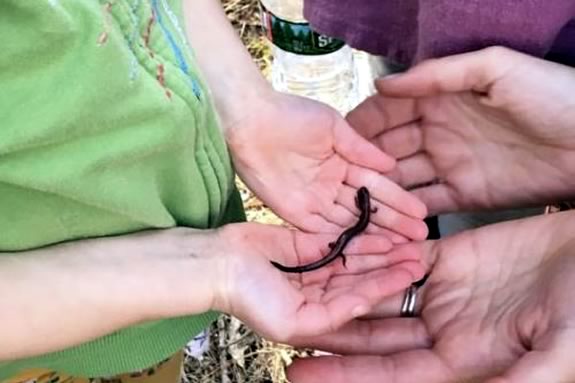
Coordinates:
<point>488,129</point>
<point>281,306</point>
<point>306,163</point>
<point>497,305</point>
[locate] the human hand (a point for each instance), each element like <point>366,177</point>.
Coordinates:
<point>497,307</point>
<point>488,129</point>
<point>306,163</point>
<point>280,306</point>
<point>176,272</point>
<point>299,156</point>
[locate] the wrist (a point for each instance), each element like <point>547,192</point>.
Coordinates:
<point>232,239</point>
<point>249,126</point>
<point>240,101</point>
<point>187,278</point>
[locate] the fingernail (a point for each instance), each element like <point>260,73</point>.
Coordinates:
<point>391,76</point>
<point>359,311</point>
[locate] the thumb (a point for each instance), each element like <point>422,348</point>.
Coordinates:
<point>476,71</point>
<point>555,365</point>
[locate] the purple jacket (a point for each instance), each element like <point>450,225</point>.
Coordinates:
<point>408,31</point>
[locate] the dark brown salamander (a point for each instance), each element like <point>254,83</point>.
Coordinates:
<point>362,200</point>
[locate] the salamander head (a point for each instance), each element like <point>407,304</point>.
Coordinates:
<point>363,195</point>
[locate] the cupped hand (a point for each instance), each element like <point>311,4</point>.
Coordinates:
<point>497,307</point>
<point>489,129</point>
<point>279,305</point>
<point>306,163</point>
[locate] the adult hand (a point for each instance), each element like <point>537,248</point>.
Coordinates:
<point>497,307</point>
<point>306,163</point>
<point>488,129</point>
<point>279,305</point>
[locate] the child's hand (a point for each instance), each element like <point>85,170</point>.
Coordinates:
<point>307,163</point>
<point>281,306</point>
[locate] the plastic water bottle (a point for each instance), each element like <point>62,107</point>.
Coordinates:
<point>307,63</point>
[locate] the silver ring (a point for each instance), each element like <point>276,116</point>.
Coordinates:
<point>408,304</point>
<point>410,298</point>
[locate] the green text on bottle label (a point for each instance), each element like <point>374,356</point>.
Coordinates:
<point>297,38</point>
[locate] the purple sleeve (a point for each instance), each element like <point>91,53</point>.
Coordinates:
<point>408,31</point>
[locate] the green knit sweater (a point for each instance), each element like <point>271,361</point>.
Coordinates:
<point>105,128</point>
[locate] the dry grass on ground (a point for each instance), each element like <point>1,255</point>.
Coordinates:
<point>245,17</point>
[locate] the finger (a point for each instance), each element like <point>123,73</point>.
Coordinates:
<point>316,222</point>
<point>413,171</point>
<point>386,192</point>
<point>359,264</point>
<point>425,253</point>
<point>554,365</point>
<point>369,244</point>
<point>378,114</point>
<point>311,247</point>
<point>363,253</point>
<point>359,151</point>
<point>355,264</point>
<point>374,280</point>
<point>346,197</point>
<point>379,284</point>
<point>373,286</point>
<point>388,307</point>
<point>388,282</point>
<point>439,198</point>
<point>406,367</point>
<point>408,263</point>
<point>318,213</point>
<point>391,307</point>
<point>386,217</point>
<point>475,71</point>
<point>401,142</point>
<point>372,337</point>
<point>322,317</point>
<point>337,214</point>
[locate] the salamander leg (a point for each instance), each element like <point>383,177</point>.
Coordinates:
<point>343,260</point>
<point>331,245</point>
<point>374,209</point>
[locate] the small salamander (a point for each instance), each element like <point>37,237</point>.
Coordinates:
<point>362,200</point>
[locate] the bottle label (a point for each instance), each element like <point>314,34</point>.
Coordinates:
<point>295,37</point>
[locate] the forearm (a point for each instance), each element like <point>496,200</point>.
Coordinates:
<point>64,295</point>
<point>234,79</point>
